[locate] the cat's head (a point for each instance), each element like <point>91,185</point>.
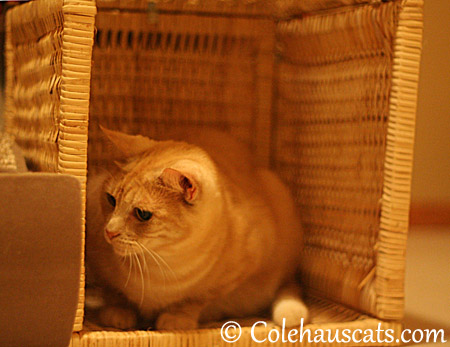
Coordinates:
<point>156,195</point>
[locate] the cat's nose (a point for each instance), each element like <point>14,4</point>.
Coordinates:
<point>111,234</point>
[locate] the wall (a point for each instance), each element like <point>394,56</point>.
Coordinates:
<point>431,175</point>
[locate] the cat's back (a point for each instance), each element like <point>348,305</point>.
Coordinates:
<point>221,146</point>
<point>231,156</point>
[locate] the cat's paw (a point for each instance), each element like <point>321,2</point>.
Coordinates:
<point>176,321</point>
<point>291,309</point>
<point>118,317</point>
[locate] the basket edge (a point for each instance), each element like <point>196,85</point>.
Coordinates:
<point>78,39</point>
<point>395,201</point>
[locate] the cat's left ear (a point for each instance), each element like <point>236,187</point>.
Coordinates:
<point>182,182</point>
<point>128,145</point>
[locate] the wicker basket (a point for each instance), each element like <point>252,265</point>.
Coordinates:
<point>324,92</point>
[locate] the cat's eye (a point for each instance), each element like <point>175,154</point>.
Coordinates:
<point>111,199</point>
<point>142,215</point>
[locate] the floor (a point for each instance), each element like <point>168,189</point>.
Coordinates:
<point>428,280</point>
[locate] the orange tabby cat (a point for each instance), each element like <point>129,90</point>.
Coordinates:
<point>192,233</point>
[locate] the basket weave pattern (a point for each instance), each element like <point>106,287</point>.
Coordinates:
<point>333,109</point>
<point>191,72</point>
<point>323,92</point>
<point>36,81</point>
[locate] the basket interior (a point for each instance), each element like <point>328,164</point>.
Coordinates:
<point>294,91</point>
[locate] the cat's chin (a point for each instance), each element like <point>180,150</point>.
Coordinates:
<point>121,253</point>
<point>122,250</point>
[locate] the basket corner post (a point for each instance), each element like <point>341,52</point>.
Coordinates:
<point>78,40</point>
<point>395,201</point>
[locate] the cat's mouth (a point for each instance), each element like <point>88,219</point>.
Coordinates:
<point>123,247</point>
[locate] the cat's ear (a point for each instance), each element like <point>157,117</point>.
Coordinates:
<point>183,182</point>
<point>128,145</point>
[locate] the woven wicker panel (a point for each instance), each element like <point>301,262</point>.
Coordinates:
<point>326,316</point>
<point>330,141</point>
<point>33,81</point>
<point>287,8</point>
<point>78,39</point>
<point>390,271</point>
<point>245,8</point>
<point>182,71</point>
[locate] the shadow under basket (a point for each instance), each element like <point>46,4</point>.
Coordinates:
<point>323,92</point>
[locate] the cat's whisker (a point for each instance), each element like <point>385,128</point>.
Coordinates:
<point>129,269</point>
<point>165,263</point>
<point>142,269</point>
<point>146,269</point>
<point>124,258</point>
<point>170,269</point>
<point>143,258</point>
<point>156,261</point>
<point>142,279</point>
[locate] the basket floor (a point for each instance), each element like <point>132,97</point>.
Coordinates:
<point>324,315</point>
